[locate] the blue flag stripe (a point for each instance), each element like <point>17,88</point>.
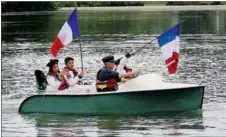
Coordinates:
<point>169,35</point>
<point>73,23</point>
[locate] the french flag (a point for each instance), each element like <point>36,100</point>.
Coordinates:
<point>169,43</point>
<point>68,32</point>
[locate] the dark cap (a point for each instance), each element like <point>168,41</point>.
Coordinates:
<point>52,62</point>
<point>108,59</point>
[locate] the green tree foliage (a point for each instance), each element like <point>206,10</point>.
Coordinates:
<point>27,6</point>
<point>194,3</point>
<point>98,4</point>
<point>65,4</point>
<point>216,3</point>
<point>48,6</point>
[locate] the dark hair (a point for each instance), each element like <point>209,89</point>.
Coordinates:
<point>50,72</point>
<point>67,59</point>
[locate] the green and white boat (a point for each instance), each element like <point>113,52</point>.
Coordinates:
<point>143,95</point>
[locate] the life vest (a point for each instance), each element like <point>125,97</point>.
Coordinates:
<point>108,85</point>
<point>66,71</point>
<point>63,87</point>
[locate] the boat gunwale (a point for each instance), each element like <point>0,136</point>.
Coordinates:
<point>118,92</point>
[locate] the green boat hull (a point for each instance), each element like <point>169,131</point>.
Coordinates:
<point>117,103</point>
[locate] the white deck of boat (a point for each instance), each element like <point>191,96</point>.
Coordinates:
<point>147,82</point>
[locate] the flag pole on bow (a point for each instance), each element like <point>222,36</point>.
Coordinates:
<point>80,45</point>
<point>68,32</point>
<point>155,39</point>
<point>169,43</point>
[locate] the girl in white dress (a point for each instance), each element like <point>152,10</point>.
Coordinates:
<point>55,79</point>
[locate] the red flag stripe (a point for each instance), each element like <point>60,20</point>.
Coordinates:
<point>172,68</point>
<point>175,56</point>
<point>172,63</point>
<point>56,46</point>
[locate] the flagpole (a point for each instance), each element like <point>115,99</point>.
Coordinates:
<point>154,39</point>
<point>80,45</point>
<point>146,44</point>
<point>81,52</point>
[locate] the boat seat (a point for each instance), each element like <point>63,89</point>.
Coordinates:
<point>41,82</point>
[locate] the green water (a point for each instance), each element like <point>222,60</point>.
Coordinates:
<point>26,39</point>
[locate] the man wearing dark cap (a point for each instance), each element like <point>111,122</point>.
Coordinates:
<point>107,78</point>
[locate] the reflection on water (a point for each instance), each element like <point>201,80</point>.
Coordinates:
<point>44,27</point>
<point>69,125</point>
<point>25,47</point>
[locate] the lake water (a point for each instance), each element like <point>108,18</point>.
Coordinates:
<point>26,39</point>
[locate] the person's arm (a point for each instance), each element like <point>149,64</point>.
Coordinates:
<point>121,64</point>
<point>53,83</point>
<point>65,72</point>
<point>81,74</point>
<point>107,74</point>
<point>123,61</point>
<point>123,80</point>
<point>77,73</point>
<point>72,80</point>
<point>128,74</point>
<point>113,74</point>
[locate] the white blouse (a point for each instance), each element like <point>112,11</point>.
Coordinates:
<point>53,82</point>
<point>56,83</point>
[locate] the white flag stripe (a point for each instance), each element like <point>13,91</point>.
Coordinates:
<point>168,49</point>
<point>65,34</point>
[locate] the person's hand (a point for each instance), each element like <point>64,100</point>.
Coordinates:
<point>135,74</point>
<point>134,52</point>
<point>130,74</point>
<point>82,73</point>
<point>62,74</point>
<point>123,80</point>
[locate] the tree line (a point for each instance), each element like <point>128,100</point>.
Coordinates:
<point>27,6</point>
<point>49,6</point>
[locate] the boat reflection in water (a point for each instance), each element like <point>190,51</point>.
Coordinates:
<point>71,125</point>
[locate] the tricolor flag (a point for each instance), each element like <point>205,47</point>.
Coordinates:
<point>68,32</point>
<point>169,43</point>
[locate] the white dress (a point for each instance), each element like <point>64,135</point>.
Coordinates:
<point>53,82</point>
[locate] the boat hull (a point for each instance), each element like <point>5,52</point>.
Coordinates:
<point>117,103</point>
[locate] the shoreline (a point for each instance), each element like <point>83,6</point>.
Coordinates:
<point>128,8</point>
<point>150,8</point>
